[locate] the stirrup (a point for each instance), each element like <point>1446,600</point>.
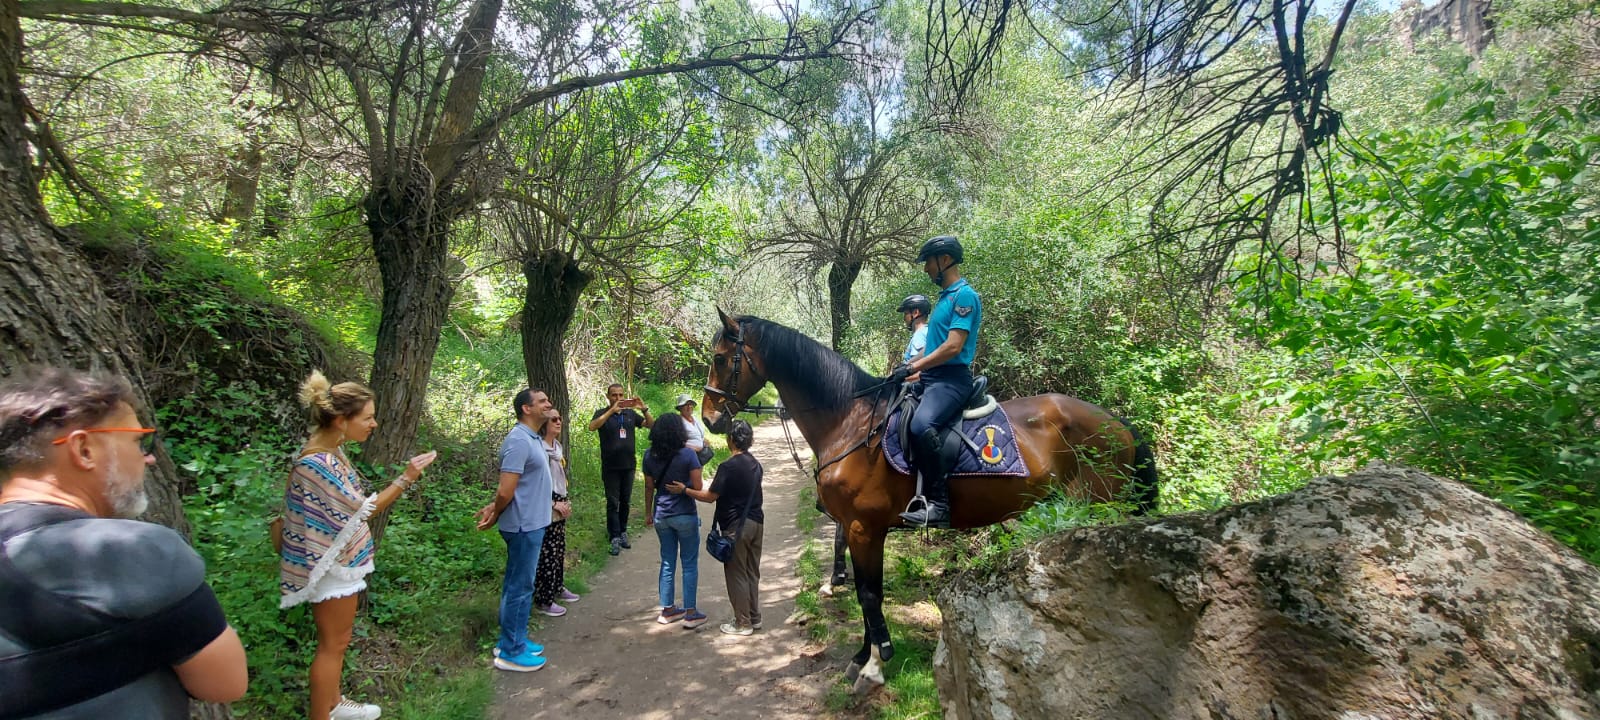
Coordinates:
<point>917,501</point>
<point>927,513</point>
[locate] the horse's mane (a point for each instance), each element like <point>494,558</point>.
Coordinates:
<point>824,379</point>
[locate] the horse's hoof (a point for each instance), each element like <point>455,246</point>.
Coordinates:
<point>870,678</point>
<point>826,590</point>
<point>851,672</point>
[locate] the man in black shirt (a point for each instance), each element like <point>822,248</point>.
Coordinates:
<point>102,616</point>
<point>619,455</point>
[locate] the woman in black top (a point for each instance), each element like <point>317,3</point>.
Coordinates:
<point>737,492</point>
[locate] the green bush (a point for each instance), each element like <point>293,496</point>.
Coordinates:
<point>1465,337</point>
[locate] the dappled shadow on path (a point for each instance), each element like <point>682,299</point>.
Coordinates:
<point>608,658</point>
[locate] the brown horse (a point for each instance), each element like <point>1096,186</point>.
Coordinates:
<point>840,410</point>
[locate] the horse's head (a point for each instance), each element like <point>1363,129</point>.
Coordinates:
<point>736,374</point>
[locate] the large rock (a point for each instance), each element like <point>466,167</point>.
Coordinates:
<point>1385,594</point>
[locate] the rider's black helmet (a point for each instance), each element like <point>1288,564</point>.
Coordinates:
<point>918,303</point>
<point>941,245</point>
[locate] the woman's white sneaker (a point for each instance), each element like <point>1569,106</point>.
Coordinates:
<point>348,709</point>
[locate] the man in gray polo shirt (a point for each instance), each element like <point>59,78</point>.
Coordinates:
<point>522,509</point>
<point>101,616</point>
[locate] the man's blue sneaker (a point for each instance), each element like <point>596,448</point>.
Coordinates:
<point>526,662</point>
<point>533,648</point>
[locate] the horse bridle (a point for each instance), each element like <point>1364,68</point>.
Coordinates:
<point>732,405</point>
<point>729,396</point>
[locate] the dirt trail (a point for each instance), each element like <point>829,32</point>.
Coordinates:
<point>608,658</point>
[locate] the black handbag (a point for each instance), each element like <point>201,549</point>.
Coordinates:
<point>705,453</point>
<point>719,545</point>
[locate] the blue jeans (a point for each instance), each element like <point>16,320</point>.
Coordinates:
<point>680,542</point>
<point>516,593</point>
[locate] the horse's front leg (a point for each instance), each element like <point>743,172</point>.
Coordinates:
<point>866,553</point>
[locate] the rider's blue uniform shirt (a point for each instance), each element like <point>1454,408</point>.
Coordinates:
<point>918,344</point>
<point>956,309</point>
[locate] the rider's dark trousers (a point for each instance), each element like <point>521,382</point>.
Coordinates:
<point>944,390</point>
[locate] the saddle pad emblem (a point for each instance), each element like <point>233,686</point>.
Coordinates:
<point>990,452</point>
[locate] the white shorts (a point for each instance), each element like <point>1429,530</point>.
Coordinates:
<point>340,582</point>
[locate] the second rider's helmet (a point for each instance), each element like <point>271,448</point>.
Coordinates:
<point>941,245</point>
<point>918,303</point>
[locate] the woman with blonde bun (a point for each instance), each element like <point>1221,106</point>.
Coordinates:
<point>327,546</point>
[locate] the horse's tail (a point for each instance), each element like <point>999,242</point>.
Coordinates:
<point>1147,485</point>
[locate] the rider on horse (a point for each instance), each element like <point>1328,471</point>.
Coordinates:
<point>914,310</point>
<point>946,376</point>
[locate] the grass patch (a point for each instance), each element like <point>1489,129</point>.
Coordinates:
<point>458,697</point>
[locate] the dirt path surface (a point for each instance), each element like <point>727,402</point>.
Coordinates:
<point>608,658</point>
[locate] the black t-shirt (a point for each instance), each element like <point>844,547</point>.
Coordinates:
<point>617,449</point>
<point>126,569</point>
<point>735,478</point>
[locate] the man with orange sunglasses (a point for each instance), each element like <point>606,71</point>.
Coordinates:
<point>100,615</point>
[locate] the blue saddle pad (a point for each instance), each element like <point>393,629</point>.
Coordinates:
<point>997,453</point>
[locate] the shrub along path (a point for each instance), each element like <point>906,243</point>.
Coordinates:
<point>608,658</point>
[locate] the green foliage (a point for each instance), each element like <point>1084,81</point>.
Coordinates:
<point>1465,339</point>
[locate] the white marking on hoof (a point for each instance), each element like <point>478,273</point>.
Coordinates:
<point>870,676</point>
<point>826,590</point>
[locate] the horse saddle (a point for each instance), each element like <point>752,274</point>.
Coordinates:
<point>986,443</point>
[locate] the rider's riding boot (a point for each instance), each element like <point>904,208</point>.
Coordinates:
<point>935,465</point>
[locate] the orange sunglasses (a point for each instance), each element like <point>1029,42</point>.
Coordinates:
<point>147,444</point>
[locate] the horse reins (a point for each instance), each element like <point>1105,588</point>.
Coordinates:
<point>729,397</point>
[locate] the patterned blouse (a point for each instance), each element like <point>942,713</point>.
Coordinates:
<point>325,526</point>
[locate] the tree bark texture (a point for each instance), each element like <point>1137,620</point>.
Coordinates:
<point>410,240</point>
<point>52,309</point>
<point>555,282</point>
<point>841,279</point>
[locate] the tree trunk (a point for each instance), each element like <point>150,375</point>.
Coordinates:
<point>841,279</point>
<point>410,240</point>
<point>277,210</point>
<point>52,310</point>
<point>555,283</point>
<point>242,186</point>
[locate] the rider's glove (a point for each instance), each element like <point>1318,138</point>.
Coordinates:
<point>900,372</point>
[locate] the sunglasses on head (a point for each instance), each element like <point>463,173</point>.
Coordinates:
<point>147,440</point>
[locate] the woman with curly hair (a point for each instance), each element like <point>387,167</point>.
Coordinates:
<point>674,517</point>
